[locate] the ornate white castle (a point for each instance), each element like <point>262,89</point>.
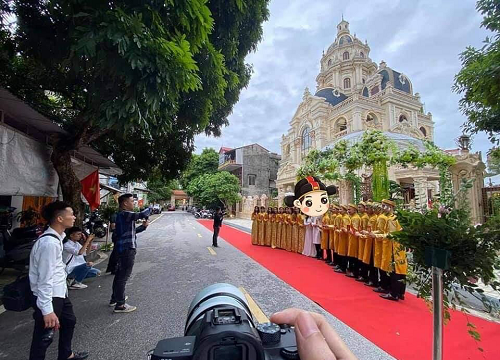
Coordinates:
<point>353,94</point>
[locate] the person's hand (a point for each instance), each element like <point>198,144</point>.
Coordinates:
<point>316,339</point>
<point>90,238</point>
<point>145,223</point>
<point>90,263</point>
<point>51,321</point>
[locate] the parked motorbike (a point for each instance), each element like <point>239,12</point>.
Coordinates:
<point>15,246</point>
<point>93,224</point>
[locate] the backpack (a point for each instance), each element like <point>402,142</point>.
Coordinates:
<point>17,296</point>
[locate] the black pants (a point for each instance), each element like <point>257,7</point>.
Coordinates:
<point>113,261</point>
<point>216,235</point>
<point>385,280</point>
<point>319,251</point>
<point>67,320</point>
<point>398,284</point>
<point>363,269</point>
<point>342,262</point>
<point>353,266</point>
<point>373,271</point>
<point>124,268</point>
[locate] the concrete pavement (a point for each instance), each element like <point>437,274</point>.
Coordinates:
<point>172,265</point>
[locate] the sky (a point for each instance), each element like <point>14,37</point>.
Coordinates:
<point>422,39</point>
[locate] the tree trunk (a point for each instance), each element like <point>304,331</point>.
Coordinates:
<point>70,184</point>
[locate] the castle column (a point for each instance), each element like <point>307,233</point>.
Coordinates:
<point>357,123</point>
<point>346,192</point>
<point>421,198</point>
<point>296,151</point>
<point>313,139</point>
<point>470,167</point>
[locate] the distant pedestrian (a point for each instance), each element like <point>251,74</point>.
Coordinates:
<point>126,247</point>
<point>47,274</point>
<point>217,225</point>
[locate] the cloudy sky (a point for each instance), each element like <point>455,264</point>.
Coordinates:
<point>422,39</point>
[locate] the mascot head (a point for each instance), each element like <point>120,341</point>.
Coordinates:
<point>311,196</point>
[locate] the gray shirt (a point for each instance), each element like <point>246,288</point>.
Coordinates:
<point>47,270</point>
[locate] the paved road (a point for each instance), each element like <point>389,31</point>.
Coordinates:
<point>172,265</point>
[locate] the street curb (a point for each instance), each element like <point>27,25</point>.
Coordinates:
<point>239,227</point>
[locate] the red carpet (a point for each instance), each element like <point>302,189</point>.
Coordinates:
<point>403,329</point>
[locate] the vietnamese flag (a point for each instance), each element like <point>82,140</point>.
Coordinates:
<point>91,190</point>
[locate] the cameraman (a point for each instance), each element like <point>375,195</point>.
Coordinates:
<point>126,245</point>
<point>316,339</point>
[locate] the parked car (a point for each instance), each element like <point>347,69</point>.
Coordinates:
<point>156,209</point>
<point>171,208</point>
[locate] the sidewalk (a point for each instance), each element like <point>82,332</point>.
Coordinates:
<point>472,301</point>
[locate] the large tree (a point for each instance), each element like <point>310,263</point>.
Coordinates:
<point>136,79</point>
<point>479,78</point>
<point>205,163</point>
<point>211,190</point>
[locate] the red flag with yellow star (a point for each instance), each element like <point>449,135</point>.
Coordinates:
<point>91,190</point>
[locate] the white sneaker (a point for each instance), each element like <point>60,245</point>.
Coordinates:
<point>126,308</point>
<point>78,286</point>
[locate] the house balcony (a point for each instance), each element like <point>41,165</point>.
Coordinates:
<point>229,165</point>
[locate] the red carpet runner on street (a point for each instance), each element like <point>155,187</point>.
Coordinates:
<point>403,329</point>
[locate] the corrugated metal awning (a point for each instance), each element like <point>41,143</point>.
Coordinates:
<point>24,118</point>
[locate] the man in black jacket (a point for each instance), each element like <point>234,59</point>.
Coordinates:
<point>217,225</point>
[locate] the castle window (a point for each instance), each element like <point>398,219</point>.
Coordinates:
<point>306,140</point>
<point>329,62</point>
<point>251,179</point>
<point>424,132</point>
<point>340,125</point>
<point>402,118</point>
<point>364,80</point>
<point>347,83</point>
<point>345,56</point>
<point>362,54</point>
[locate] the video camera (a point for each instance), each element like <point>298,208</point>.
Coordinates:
<point>220,326</point>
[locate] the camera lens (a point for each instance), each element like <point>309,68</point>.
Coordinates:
<point>212,297</point>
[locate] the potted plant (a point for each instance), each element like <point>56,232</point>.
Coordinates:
<point>448,251</point>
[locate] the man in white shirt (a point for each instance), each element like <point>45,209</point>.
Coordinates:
<point>77,267</point>
<point>53,309</point>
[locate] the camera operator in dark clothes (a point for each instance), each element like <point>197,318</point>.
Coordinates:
<point>217,225</point>
<point>126,248</point>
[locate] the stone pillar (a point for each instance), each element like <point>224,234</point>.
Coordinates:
<point>421,198</point>
<point>296,151</point>
<point>313,139</point>
<point>357,123</point>
<point>263,201</point>
<point>346,192</point>
<point>470,167</point>
<point>281,196</point>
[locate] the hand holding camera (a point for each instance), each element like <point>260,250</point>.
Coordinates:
<point>316,339</point>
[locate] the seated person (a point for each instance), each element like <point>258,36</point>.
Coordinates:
<point>73,256</point>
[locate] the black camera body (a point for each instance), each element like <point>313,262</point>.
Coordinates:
<point>225,330</point>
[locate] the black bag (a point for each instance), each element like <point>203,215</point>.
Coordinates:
<point>17,296</point>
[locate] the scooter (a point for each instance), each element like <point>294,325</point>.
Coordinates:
<point>93,224</point>
<point>15,247</point>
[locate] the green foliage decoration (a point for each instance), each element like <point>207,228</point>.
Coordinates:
<point>473,250</point>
